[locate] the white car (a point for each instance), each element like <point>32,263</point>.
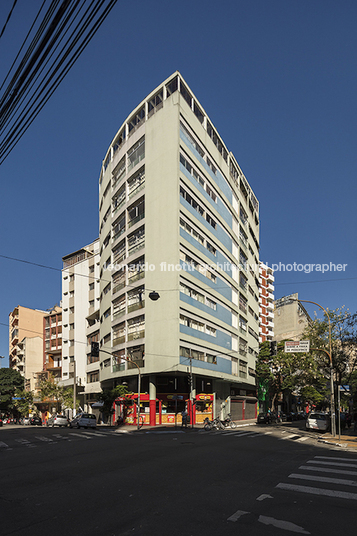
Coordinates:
<point>318,421</point>
<point>85,420</point>
<point>57,420</point>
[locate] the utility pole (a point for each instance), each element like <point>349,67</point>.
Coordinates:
<point>74,388</point>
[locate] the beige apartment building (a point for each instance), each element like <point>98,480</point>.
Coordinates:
<point>178,216</point>
<point>26,355</point>
<point>290,318</point>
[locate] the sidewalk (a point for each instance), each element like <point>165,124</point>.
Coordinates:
<point>130,428</point>
<point>347,439</point>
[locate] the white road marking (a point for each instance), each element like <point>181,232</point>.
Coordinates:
<point>237,515</point>
<point>94,434</point>
<point>79,435</point>
<point>328,470</point>
<point>3,445</point>
<point>324,479</point>
<point>264,496</point>
<point>287,437</point>
<point>59,436</point>
<point>335,458</point>
<point>303,438</point>
<point>285,525</point>
<point>333,463</point>
<point>318,491</point>
<point>44,438</point>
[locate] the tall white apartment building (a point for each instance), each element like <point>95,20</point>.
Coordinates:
<point>266,303</point>
<point>177,216</point>
<point>80,299</point>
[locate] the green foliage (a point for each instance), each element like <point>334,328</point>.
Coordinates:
<point>108,397</point>
<point>50,390</point>
<point>11,381</point>
<point>25,405</point>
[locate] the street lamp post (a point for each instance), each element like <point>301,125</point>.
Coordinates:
<point>333,421</point>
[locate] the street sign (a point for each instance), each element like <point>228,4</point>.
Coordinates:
<point>344,388</point>
<point>16,398</point>
<point>297,346</point>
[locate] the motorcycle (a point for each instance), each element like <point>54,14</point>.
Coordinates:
<point>228,423</point>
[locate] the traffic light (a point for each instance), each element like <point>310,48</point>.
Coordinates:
<point>273,348</point>
<point>94,349</point>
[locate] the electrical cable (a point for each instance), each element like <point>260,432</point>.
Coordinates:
<point>23,44</point>
<point>10,143</point>
<point>8,18</point>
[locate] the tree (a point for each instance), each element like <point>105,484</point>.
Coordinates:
<point>58,394</point>
<point>25,404</point>
<point>10,382</point>
<point>108,397</point>
<point>285,373</point>
<point>343,339</point>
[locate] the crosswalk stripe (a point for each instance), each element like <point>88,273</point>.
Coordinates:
<point>44,438</point>
<point>94,434</point>
<point>303,438</point>
<point>318,491</point>
<point>335,458</point>
<point>3,445</point>
<point>327,470</point>
<point>287,437</point>
<point>324,479</point>
<point>79,435</point>
<point>320,462</point>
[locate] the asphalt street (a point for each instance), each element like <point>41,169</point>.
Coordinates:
<point>248,481</point>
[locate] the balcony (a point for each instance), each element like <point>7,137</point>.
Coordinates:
<point>136,335</point>
<point>119,340</point>
<point>136,306</point>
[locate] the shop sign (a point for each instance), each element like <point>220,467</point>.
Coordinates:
<point>204,397</point>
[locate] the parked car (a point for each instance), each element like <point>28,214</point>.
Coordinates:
<point>26,420</point>
<point>264,418</point>
<point>318,421</point>
<point>57,420</point>
<point>84,420</point>
<point>36,421</point>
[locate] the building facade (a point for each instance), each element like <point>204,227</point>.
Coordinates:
<point>266,303</point>
<point>25,323</point>
<point>52,342</point>
<point>80,299</point>
<point>177,216</point>
<point>29,356</point>
<point>291,318</point>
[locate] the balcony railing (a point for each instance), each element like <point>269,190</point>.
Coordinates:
<point>136,306</point>
<point>119,340</point>
<point>136,335</point>
<point>135,220</point>
<point>119,368</point>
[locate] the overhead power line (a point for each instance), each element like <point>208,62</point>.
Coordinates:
<point>8,18</point>
<point>59,41</point>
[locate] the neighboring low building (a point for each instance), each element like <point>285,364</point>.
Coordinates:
<point>26,324</point>
<point>266,303</point>
<point>290,318</point>
<point>29,359</point>
<point>52,343</point>
<point>80,299</point>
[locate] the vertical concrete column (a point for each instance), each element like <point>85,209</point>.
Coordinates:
<point>152,403</point>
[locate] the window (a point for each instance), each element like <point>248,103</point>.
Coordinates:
<point>189,353</point>
<point>172,86</point>
<point>136,153</point>
<point>185,93</point>
<point>211,304</point>
<point>191,201</point>
<point>107,313</point>
<point>192,140</point>
<point>136,240</point>
<point>93,376</point>
<point>155,103</point>
<point>91,286</point>
<point>136,182</point>
<point>211,331</point>
<point>210,220</point>
<point>210,248</point>
<point>242,369</point>
<point>136,328</point>
<point>137,120</point>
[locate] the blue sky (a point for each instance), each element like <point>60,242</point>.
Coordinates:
<point>278,80</point>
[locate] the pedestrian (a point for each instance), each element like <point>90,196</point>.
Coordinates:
<point>355,422</point>
<point>348,420</point>
<point>184,415</point>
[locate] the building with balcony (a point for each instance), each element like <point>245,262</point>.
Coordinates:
<point>80,301</point>
<point>266,303</point>
<point>26,324</point>
<point>178,216</point>
<point>52,342</point>
<point>290,318</point>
